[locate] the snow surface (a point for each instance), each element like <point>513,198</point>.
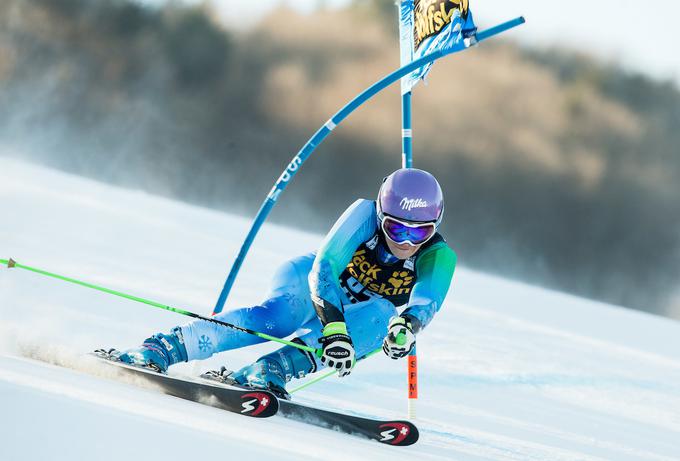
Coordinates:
<point>507,371</point>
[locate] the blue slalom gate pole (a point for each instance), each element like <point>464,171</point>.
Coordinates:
<point>304,153</point>
<point>406,132</point>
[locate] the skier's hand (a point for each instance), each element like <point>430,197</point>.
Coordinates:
<point>337,348</point>
<point>400,339</point>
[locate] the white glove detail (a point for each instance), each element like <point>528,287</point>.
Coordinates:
<point>400,339</point>
<point>337,348</point>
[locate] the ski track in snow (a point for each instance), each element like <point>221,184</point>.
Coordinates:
<point>507,371</point>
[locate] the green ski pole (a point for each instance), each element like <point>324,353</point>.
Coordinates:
<point>331,372</point>
<point>10,263</point>
<point>400,340</point>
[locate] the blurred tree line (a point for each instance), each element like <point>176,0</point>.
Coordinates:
<point>557,169</point>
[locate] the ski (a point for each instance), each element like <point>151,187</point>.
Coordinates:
<point>391,432</point>
<point>213,389</point>
<point>248,402</point>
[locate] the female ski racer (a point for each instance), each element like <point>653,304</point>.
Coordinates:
<point>379,255</point>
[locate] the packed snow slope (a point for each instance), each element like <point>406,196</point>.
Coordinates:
<point>507,371</point>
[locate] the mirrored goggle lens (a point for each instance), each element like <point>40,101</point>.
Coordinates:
<point>401,232</point>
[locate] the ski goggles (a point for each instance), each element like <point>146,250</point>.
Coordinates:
<point>401,232</point>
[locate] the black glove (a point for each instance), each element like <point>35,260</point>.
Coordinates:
<point>337,348</point>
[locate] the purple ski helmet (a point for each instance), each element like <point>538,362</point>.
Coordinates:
<point>411,195</point>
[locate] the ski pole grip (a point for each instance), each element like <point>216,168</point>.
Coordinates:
<point>400,339</point>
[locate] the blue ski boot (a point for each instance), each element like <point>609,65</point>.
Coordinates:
<point>274,370</point>
<point>157,352</point>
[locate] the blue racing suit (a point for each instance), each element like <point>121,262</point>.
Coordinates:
<point>352,278</point>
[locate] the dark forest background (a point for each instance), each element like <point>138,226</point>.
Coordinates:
<point>557,169</point>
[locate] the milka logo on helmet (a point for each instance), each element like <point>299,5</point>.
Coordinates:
<point>285,177</point>
<point>411,203</point>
